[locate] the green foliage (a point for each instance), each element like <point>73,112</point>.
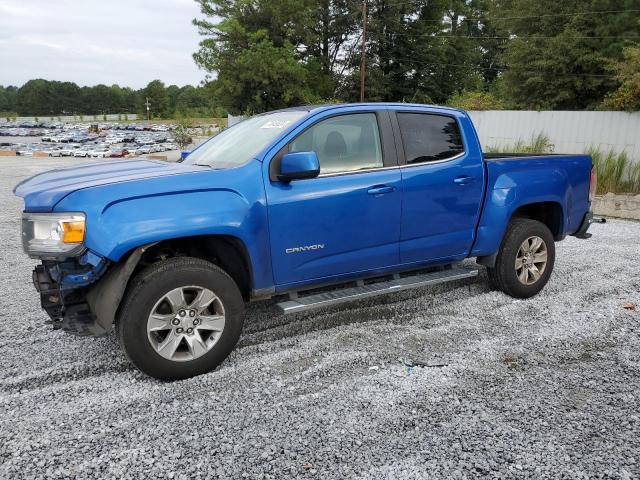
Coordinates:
<point>616,173</point>
<point>181,134</point>
<point>8,98</point>
<point>539,143</point>
<point>256,71</point>
<point>45,97</point>
<point>627,95</point>
<point>634,178</point>
<point>158,98</point>
<point>473,100</point>
<point>306,51</point>
<point>559,60</point>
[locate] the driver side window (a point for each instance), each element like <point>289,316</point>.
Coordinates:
<point>344,143</point>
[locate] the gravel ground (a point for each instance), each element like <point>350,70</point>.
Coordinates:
<point>547,387</point>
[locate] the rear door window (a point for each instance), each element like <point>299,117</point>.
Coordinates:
<point>428,137</point>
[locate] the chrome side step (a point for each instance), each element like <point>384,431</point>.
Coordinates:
<point>309,302</point>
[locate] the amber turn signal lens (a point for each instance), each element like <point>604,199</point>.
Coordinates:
<point>73,232</point>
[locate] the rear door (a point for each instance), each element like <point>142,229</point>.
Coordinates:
<point>347,220</point>
<point>442,183</point>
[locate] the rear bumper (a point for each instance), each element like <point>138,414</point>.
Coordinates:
<point>586,223</point>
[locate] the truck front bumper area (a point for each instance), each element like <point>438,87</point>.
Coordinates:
<point>82,295</point>
<point>63,289</point>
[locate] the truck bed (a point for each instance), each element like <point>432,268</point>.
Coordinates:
<point>516,156</point>
<point>558,181</point>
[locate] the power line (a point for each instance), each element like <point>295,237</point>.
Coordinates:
<point>514,37</point>
<point>518,17</point>
<point>501,69</point>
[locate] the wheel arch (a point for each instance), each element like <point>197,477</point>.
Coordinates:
<point>226,251</point>
<point>548,212</point>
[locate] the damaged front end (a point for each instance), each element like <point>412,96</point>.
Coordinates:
<point>82,294</point>
<point>79,289</point>
<point>64,289</point>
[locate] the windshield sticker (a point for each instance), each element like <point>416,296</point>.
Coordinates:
<point>276,124</point>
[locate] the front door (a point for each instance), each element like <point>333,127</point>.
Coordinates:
<point>346,220</point>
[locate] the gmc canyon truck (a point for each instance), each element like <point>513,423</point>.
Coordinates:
<point>311,205</point>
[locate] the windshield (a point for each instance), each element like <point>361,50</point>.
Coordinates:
<point>240,143</point>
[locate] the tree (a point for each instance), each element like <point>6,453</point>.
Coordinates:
<point>557,58</point>
<point>67,97</point>
<point>255,75</point>
<point>627,70</point>
<point>8,98</point>
<point>274,53</point>
<point>158,98</point>
<point>416,50</point>
<point>474,100</point>
<point>129,99</point>
<point>33,98</point>
<point>181,134</point>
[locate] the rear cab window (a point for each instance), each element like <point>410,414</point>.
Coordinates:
<point>428,137</point>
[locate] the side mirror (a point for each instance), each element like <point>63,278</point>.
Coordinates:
<point>184,155</point>
<point>299,165</point>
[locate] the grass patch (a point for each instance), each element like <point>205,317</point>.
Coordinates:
<point>616,172</point>
<point>538,143</point>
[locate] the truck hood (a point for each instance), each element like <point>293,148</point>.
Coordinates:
<point>42,192</point>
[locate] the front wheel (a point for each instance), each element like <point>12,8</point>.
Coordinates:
<point>525,260</point>
<point>182,317</point>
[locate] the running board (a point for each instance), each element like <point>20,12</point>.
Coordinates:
<point>397,284</point>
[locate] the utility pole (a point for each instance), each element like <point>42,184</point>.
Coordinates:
<point>148,105</point>
<point>363,49</point>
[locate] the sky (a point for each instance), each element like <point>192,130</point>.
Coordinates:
<point>99,41</point>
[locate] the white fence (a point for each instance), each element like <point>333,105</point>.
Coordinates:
<point>569,132</point>
<point>233,119</point>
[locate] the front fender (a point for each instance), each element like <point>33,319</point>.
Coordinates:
<point>124,216</point>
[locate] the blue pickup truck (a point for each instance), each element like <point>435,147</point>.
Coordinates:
<point>311,206</point>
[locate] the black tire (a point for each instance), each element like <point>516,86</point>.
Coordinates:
<point>503,275</point>
<point>148,287</point>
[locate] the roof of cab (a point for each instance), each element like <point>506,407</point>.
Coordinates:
<point>328,106</point>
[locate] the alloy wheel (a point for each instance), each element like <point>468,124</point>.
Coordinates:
<point>186,323</point>
<point>531,260</point>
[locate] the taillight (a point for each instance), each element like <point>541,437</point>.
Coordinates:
<point>593,184</point>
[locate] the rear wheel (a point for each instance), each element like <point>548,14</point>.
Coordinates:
<point>182,317</point>
<point>525,260</point>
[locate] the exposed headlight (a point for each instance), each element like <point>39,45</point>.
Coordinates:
<point>53,235</point>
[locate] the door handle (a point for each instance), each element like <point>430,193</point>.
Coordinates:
<point>380,190</point>
<point>463,180</point>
